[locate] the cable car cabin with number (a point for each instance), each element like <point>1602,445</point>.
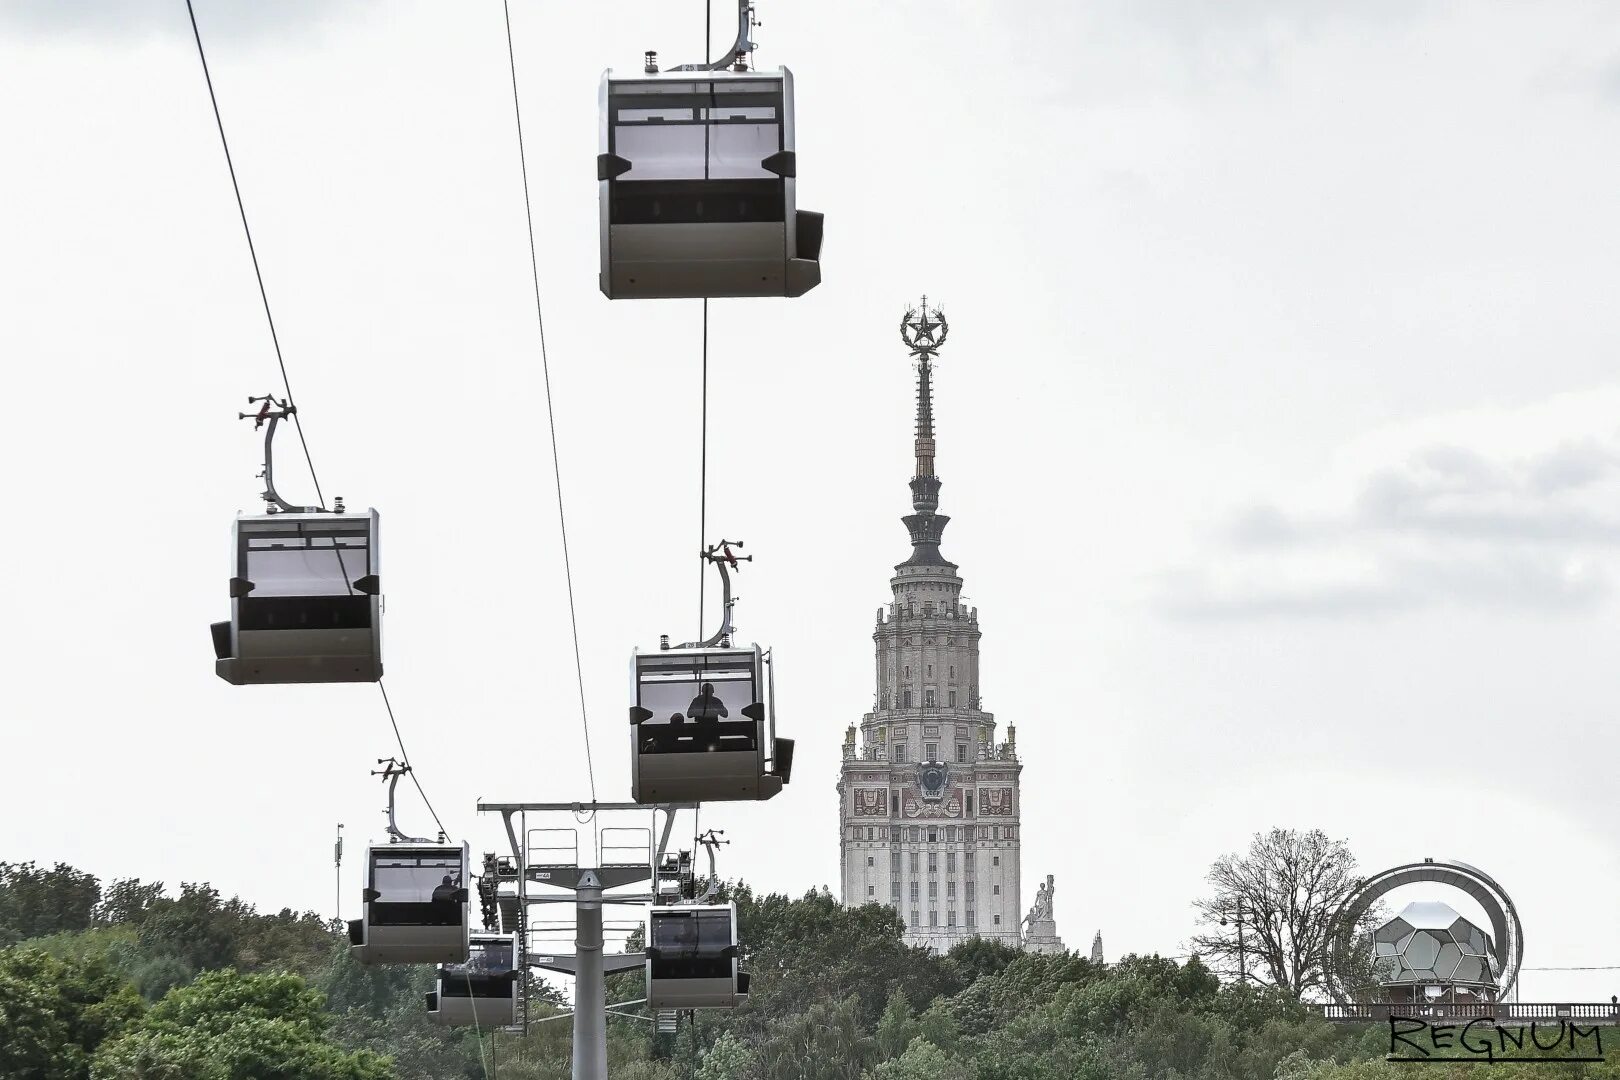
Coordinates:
<point>703,727</point>
<point>697,173</point>
<point>483,991</point>
<point>306,602</point>
<point>692,958</point>
<point>415,909</point>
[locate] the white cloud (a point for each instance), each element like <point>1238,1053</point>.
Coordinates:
<point>135,19</point>
<point>1500,508</point>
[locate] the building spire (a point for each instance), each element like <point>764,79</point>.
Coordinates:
<point>923,332</point>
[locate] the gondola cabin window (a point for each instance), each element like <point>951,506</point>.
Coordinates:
<point>305,558</point>
<point>416,889</point>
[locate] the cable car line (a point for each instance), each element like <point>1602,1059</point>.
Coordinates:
<point>287,407</point>
<point>264,296</point>
<point>405,759</point>
<point>703,409</point>
<point>478,1033</point>
<point>551,414</point>
<point>703,468</point>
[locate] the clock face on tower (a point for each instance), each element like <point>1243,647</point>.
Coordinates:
<point>931,775</point>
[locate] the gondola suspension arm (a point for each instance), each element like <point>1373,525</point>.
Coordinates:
<point>721,555</point>
<point>738,53</point>
<point>271,412</point>
<point>391,771</point>
<point>711,842</point>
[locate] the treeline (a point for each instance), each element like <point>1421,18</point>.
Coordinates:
<point>129,980</point>
<point>132,982</point>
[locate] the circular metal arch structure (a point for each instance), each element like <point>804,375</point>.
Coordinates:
<point>1507,932</point>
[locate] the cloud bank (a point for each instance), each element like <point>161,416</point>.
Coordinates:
<point>1509,509</point>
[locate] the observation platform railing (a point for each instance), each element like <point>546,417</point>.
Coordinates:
<point>1510,1012</point>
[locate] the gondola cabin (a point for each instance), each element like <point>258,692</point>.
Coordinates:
<point>306,603</point>
<point>415,909</point>
<point>702,727</point>
<point>481,992</point>
<point>697,172</point>
<point>692,958</point>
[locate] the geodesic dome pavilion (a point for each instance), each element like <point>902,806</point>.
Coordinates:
<point>1410,950</point>
<point>1428,952</point>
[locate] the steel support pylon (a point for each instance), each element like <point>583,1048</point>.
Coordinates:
<point>592,886</point>
<point>590,992</point>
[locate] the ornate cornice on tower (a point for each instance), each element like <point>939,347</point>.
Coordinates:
<point>923,333</point>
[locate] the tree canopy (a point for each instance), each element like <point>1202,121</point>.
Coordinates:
<point>133,982</point>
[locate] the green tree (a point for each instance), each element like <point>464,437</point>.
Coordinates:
<point>823,1043</point>
<point>54,1013</point>
<point>232,1026</point>
<point>814,950</point>
<point>976,957</point>
<point>728,1059</point>
<point>35,902</point>
<point>1284,893</point>
<point>922,1060</point>
<point>195,926</point>
<point>938,1026</point>
<point>126,901</point>
<point>300,942</point>
<point>897,1027</point>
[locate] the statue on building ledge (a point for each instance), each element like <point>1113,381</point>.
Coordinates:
<point>1041,926</point>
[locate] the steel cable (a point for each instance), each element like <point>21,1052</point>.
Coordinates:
<point>551,414</point>
<point>275,340</point>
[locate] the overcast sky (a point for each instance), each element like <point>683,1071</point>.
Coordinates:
<point>1279,428</point>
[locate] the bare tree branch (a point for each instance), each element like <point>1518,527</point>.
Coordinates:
<point>1285,890</point>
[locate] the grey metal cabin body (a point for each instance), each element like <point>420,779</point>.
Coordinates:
<point>416,905</point>
<point>703,726</point>
<point>306,600</point>
<point>698,172</point>
<point>692,958</point>
<point>482,992</point>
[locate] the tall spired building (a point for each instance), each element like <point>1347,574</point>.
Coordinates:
<point>929,800</point>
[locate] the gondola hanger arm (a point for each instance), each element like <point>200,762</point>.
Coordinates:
<point>725,560</point>
<point>391,771</point>
<point>738,53</point>
<point>272,411</point>
<point>711,842</point>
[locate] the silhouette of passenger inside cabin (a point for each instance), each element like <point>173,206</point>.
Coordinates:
<point>445,892</point>
<point>685,937</point>
<point>707,706</point>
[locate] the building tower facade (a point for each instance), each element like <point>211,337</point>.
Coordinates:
<point>929,799</point>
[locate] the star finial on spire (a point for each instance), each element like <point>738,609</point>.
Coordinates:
<point>923,332</point>
<point>917,330</point>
